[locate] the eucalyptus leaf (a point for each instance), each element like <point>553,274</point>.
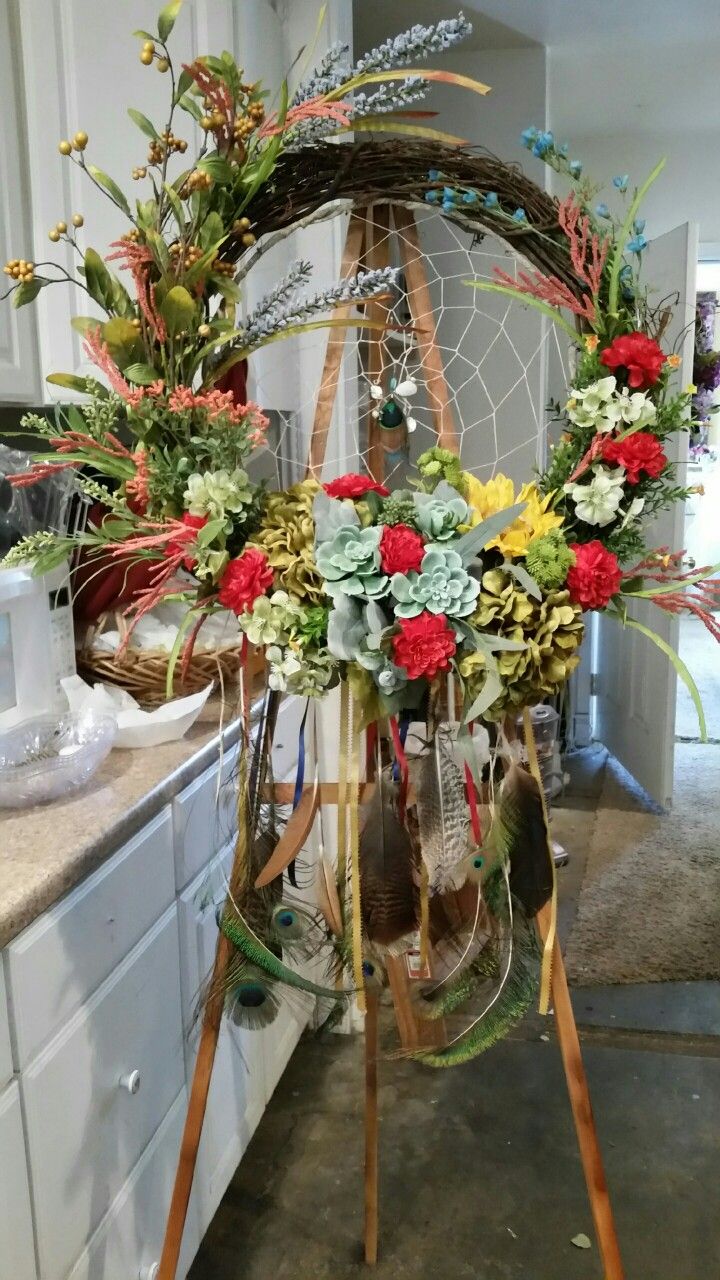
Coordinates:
<point>375,618</point>
<point>144,125</point>
<point>111,187</point>
<point>330,514</point>
<point>167,17</point>
<point>492,688</point>
<point>346,629</point>
<point>526,580</point>
<point>471,543</point>
<point>178,310</point>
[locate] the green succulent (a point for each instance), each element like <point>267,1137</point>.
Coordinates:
<point>438,464</point>
<point>350,562</point>
<point>399,508</point>
<point>548,560</point>
<point>443,585</point>
<point>438,518</point>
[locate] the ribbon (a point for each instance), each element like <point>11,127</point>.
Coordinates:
<point>424,918</point>
<point>299,784</point>
<point>401,765</point>
<point>354,790</point>
<point>473,801</point>
<point>546,969</point>
<point>342,790</point>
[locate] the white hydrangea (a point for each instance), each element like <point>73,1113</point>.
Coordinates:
<point>598,501</point>
<point>604,408</point>
<point>283,665</point>
<point>271,618</point>
<point>633,511</point>
<point>212,493</point>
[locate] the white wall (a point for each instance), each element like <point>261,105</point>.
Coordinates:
<point>624,105</point>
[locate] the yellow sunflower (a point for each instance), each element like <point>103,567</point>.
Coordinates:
<point>499,493</point>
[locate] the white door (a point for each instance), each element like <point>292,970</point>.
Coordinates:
<point>634,682</point>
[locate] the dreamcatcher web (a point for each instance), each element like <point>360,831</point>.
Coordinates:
<point>502,362</point>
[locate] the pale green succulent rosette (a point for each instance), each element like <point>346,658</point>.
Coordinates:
<point>350,562</point>
<point>439,517</point>
<point>443,585</point>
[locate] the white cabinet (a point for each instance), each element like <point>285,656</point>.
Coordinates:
<point>95,1097</point>
<point>6,1066</point>
<point>19,372</point>
<point>17,1253</point>
<point>204,818</point>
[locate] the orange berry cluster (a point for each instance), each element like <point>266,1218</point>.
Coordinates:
<point>198,180</point>
<point>188,254</point>
<point>166,145</point>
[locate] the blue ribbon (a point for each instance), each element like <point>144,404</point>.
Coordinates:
<point>403,726</point>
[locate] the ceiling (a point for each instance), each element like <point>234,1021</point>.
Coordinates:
<point>503,24</point>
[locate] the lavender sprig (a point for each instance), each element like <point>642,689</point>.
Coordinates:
<point>298,274</point>
<point>389,97</point>
<point>263,323</point>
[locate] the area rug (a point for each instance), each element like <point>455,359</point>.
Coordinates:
<point>649,908</point>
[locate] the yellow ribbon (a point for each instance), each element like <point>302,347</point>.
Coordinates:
<point>424,918</point>
<point>353,802</point>
<point>342,791</point>
<point>546,969</point>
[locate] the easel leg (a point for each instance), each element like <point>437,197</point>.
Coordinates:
<point>195,1117</point>
<point>371,1128</point>
<point>579,1095</point>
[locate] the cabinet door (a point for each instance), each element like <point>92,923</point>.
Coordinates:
<point>19,370</point>
<point>17,1252</point>
<point>6,1066</point>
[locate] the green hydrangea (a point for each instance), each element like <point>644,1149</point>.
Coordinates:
<point>548,560</point>
<point>438,464</point>
<point>272,619</point>
<point>350,562</point>
<point>443,585</point>
<point>438,518</point>
<point>399,508</point>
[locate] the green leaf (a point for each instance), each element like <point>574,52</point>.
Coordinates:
<point>212,231</point>
<point>111,187</point>
<point>210,531</point>
<point>85,324</point>
<point>144,125</point>
<point>528,301</point>
<point>159,248</point>
<point>175,652</point>
<point>71,382</point>
<point>178,310</point>
<point>679,666</point>
<point>220,170</point>
<point>193,108</point>
<point>270,154</point>
<point>144,35</point>
<point>27,292</point>
<point>472,542</point>
<point>122,339</point>
<point>98,279</point>
<point>492,688</point>
<point>176,205</point>
<point>227,289</point>
<point>141,374</point>
<point>624,236</point>
<point>185,80</point>
<point>166,18</point>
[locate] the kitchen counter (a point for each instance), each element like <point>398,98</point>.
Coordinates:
<point>46,850</point>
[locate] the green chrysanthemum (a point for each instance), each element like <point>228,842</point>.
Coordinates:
<point>549,559</point>
<point>438,464</point>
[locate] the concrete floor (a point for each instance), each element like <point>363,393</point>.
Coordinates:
<point>479,1171</point>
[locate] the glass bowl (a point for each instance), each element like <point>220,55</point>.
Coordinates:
<point>48,757</point>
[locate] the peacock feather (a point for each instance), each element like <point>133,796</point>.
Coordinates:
<point>256,953</point>
<point>251,1001</point>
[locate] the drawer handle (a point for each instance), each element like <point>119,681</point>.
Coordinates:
<point>150,1273</point>
<point>131,1081</point>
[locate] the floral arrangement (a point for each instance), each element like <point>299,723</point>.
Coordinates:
<point>706,371</point>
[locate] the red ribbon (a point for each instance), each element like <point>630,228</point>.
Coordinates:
<point>473,802</point>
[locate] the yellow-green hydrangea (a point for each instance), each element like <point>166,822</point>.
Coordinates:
<point>287,536</point>
<point>551,630</point>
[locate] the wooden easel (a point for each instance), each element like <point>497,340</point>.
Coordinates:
<point>368,240</point>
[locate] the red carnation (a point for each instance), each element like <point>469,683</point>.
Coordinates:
<point>635,357</point>
<point>638,452</point>
<point>401,549</point>
<point>244,580</point>
<point>595,577</point>
<point>354,485</point>
<point>424,645</point>
<point>192,524</point>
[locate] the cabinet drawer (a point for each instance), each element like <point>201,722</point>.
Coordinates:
<point>17,1251</point>
<point>127,1244</point>
<point>6,1066</point>
<point>86,1130</point>
<point>237,1090</point>
<point>204,818</point>
<point>55,965</point>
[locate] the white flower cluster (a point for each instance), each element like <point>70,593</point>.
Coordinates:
<point>272,619</point>
<point>212,493</point>
<point>604,408</point>
<point>597,501</point>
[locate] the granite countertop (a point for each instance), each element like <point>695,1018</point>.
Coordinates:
<point>46,850</point>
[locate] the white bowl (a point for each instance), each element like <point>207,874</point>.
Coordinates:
<point>48,757</point>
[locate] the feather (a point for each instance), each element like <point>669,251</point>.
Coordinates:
<point>293,927</point>
<point>251,1001</point>
<point>328,898</point>
<point>293,838</point>
<point>442,815</point>
<point>514,1000</point>
<point>256,953</point>
<point>522,837</point>
<point>388,892</point>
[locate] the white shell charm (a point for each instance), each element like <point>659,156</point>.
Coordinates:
<point>406,388</point>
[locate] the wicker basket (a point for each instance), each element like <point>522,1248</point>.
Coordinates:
<point>143,672</point>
